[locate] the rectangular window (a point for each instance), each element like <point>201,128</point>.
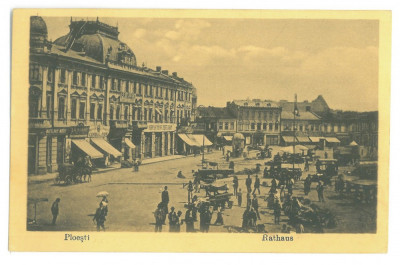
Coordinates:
<point>92,110</point>
<point>75,78</point>
<point>49,106</point>
<point>220,125</point>
<point>50,72</point>
<point>35,72</point>
<point>117,113</point>
<point>94,81</point>
<point>232,125</point>
<point>253,125</point>
<point>119,85</point>
<point>127,86</point>
<point>126,113</point>
<point>82,110</point>
<point>271,125</point>
<point>276,126</point>
<point>226,126</point>
<point>264,126</point>
<point>73,108</point>
<point>100,112</point>
<point>63,76</point>
<point>150,114</point>
<point>166,93</point>
<point>134,87</point>
<point>83,80</point>
<point>101,82</point>
<point>61,108</point>
<point>259,126</point>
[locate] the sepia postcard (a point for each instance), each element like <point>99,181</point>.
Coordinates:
<point>200,130</point>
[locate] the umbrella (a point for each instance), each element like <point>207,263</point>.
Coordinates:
<point>102,194</point>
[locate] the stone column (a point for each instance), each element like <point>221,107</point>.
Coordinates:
<point>42,143</point>
<point>43,113</point>
<point>54,165</point>
<point>107,103</point>
<point>153,144</point>
<point>173,143</point>
<point>162,144</point>
<point>265,139</point>
<point>167,143</point>
<point>55,94</point>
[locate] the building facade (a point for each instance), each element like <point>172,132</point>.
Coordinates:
<point>88,94</point>
<point>259,121</point>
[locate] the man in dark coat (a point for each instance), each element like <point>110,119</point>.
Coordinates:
<point>257,185</point>
<point>54,210</point>
<point>254,204</point>
<point>173,219</point>
<point>100,217</point>
<point>190,191</point>
<point>159,216</point>
<point>235,185</point>
<point>307,185</point>
<point>277,212</point>
<point>189,220</point>
<point>248,183</point>
<point>165,201</point>
<point>320,191</point>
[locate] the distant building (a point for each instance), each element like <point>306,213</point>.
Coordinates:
<point>259,121</point>
<point>88,96</point>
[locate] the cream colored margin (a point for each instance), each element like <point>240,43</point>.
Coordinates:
<point>21,240</point>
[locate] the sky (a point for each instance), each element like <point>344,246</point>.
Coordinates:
<point>229,59</point>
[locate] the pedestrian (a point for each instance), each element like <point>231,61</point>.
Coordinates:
<point>245,217</point>
<point>178,222</point>
<point>227,157</point>
<point>256,185</point>
<point>252,218</point>
<point>254,204</point>
<point>159,216</point>
<point>190,191</point>
<point>239,197</point>
<point>299,228</point>
<point>235,185</point>
<point>277,211</point>
<point>172,218</point>
<point>248,200</point>
<point>290,188</point>
<point>189,219</point>
<point>207,221</point>
<point>180,175</point>
<point>307,185</point>
<point>100,217</point>
<point>105,204</point>
<point>220,219</point>
<point>274,185</point>
<point>196,183</point>
<point>248,183</point>
<point>340,184</point>
<point>223,150</point>
<point>55,210</point>
<point>87,169</point>
<point>165,201</point>
<point>320,191</point>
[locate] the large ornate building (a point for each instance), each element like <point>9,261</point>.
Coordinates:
<point>88,96</point>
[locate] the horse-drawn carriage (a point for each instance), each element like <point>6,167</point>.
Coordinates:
<point>210,175</point>
<point>218,196</point>
<point>281,170</point>
<point>69,174</point>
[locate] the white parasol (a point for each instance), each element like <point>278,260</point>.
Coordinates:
<point>102,194</point>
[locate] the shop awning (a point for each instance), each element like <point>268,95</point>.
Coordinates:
<point>315,139</point>
<point>186,139</point>
<point>288,139</point>
<point>199,139</point>
<point>106,147</point>
<point>303,139</point>
<point>129,143</point>
<point>88,149</point>
<point>332,140</point>
<point>228,138</point>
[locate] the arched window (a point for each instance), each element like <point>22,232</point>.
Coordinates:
<point>111,112</point>
<point>117,112</point>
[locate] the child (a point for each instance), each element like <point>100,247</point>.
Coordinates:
<point>239,194</point>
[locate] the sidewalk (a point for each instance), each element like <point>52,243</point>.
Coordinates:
<point>51,176</point>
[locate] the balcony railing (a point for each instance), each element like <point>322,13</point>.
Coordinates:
<point>39,123</point>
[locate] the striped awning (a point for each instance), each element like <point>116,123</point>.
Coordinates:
<point>87,148</point>
<point>315,139</point>
<point>129,143</point>
<point>106,147</point>
<point>228,138</point>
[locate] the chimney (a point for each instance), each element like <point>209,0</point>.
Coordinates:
<point>158,68</point>
<point>175,74</point>
<point>165,72</point>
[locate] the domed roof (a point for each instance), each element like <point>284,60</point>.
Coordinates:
<point>38,26</point>
<point>90,38</point>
